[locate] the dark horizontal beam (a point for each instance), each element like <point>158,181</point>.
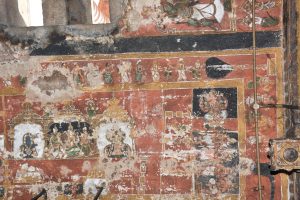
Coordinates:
<point>173,43</point>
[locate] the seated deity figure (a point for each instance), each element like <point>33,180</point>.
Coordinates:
<point>28,147</point>
<point>72,142</point>
<point>118,148</point>
<point>56,144</point>
<point>214,104</point>
<point>85,142</point>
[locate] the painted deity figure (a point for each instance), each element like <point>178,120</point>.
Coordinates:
<point>196,71</point>
<point>79,76</point>
<point>181,71</point>
<point>28,147</point>
<point>168,72</point>
<point>195,13</point>
<point>56,144</point>
<point>118,148</point>
<point>214,104</point>
<point>124,70</point>
<point>85,142</point>
<point>107,75</point>
<point>155,73</point>
<point>72,142</point>
<point>139,72</point>
<point>91,108</point>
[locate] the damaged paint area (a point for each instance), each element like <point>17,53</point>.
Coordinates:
<point>165,17</point>
<point>146,126</point>
<point>53,83</point>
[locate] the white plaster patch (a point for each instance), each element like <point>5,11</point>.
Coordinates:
<point>206,154</point>
<point>65,171</point>
<point>180,155</point>
<point>1,144</point>
<point>75,178</point>
<point>216,9</point>
<point>26,171</point>
<point>34,93</point>
<point>124,70</point>
<point>101,131</point>
<point>52,192</point>
<point>94,77</point>
<point>247,166</point>
<point>86,166</point>
<point>36,131</point>
<point>91,184</point>
<point>150,9</point>
<point>150,128</point>
<point>123,188</point>
<point>8,70</point>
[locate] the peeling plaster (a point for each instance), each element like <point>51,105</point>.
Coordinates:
<point>56,92</point>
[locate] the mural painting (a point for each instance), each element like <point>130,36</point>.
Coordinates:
<point>165,17</point>
<point>100,11</point>
<point>150,125</point>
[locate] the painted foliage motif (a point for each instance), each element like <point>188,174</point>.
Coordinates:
<point>169,125</point>
<point>162,17</point>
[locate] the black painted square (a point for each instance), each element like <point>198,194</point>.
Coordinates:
<point>229,93</point>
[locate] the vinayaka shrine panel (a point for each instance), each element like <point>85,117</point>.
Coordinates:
<point>144,126</point>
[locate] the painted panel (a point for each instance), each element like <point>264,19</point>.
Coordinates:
<point>165,17</point>
<point>147,126</point>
